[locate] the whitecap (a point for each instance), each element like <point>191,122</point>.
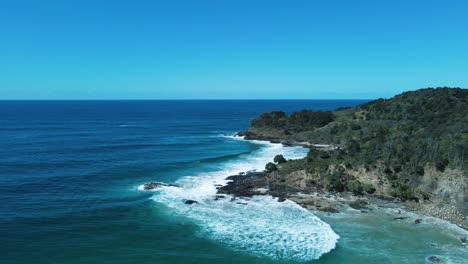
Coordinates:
<point>260,225</point>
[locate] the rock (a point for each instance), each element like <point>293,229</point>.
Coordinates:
<point>261,190</point>
<point>248,135</point>
<point>417,221</point>
<point>400,218</point>
<point>154,185</point>
<point>434,259</point>
<point>281,199</point>
<point>359,204</point>
<point>151,185</point>
<point>240,134</point>
<point>190,202</point>
<point>463,239</point>
<point>328,210</point>
<point>244,185</point>
<point>217,197</point>
<point>242,203</point>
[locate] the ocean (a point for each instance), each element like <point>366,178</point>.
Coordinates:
<point>70,191</point>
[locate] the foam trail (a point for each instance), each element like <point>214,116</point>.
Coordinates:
<point>260,225</point>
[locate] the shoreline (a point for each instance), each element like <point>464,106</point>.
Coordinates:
<point>245,184</point>
<point>242,198</point>
<point>334,203</point>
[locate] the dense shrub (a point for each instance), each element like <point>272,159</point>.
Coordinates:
<point>420,170</point>
<point>441,164</point>
<point>297,121</point>
<point>270,167</point>
<point>279,159</point>
<point>400,135</point>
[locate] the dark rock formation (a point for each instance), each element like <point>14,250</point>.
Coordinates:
<point>358,204</point>
<point>243,185</point>
<point>250,184</point>
<point>189,202</point>
<point>329,210</point>
<point>154,185</point>
<point>217,197</point>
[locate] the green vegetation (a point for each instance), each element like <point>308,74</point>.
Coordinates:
<point>404,134</point>
<point>270,167</point>
<point>298,121</point>
<point>279,159</point>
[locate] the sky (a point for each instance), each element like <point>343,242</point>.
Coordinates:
<point>197,49</point>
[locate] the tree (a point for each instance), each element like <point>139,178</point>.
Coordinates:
<point>270,167</point>
<point>324,155</point>
<point>441,164</point>
<point>312,154</point>
<point>353,147</point>
<point>279,159</point>
<point>420,170</point>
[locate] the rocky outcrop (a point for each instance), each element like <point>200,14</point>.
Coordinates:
<point>155,185</point>
<point>256,183</point>
<point>190,202</point>
<point>249,135</point>
<point>244,185</point>
<point>329,210</point>
<point>358,204</point>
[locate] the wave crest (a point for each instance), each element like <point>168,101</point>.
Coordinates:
<point>259,225</point>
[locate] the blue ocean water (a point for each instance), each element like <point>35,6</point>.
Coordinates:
<point>70,172</point>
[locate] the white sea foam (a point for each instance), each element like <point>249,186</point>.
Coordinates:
<point>451,229</point>
<point>260,225</point>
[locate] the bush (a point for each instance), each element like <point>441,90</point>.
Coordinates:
<point>441,164</point>
<point>358,188</point>
<point>275,119</point>
<point>279,159</point>
<point>353,147</point>
<point>270,167</point>
<point>307,119</point>
<point>335,181</point>
<point>354,126</point>
<point>420,170</point>
<point>403,191</point>
<point>324,155</point>
<point>297,121</point>
<point>355,187</point>
<point>312,154</point>
<point>397,168</point>
<point>387,170</point>
<point>369,188</point>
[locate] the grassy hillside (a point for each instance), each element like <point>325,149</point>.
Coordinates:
<point>409,143</point>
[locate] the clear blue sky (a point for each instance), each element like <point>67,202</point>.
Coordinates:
<point>229,49</point>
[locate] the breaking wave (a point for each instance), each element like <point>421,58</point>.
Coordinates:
<point>260,225</point>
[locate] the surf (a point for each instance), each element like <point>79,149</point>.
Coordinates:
<point>261,225</point>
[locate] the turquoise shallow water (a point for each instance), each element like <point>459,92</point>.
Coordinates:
<point>70,173</point>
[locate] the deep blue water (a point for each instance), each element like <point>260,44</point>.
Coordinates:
<point>69,172</point>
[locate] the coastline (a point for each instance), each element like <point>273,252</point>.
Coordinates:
<point>261,183</point>
<point>229,207</point>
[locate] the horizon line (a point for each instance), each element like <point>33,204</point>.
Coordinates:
<point>185,99</point>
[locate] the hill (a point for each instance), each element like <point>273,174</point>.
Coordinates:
<point>413,147</point>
